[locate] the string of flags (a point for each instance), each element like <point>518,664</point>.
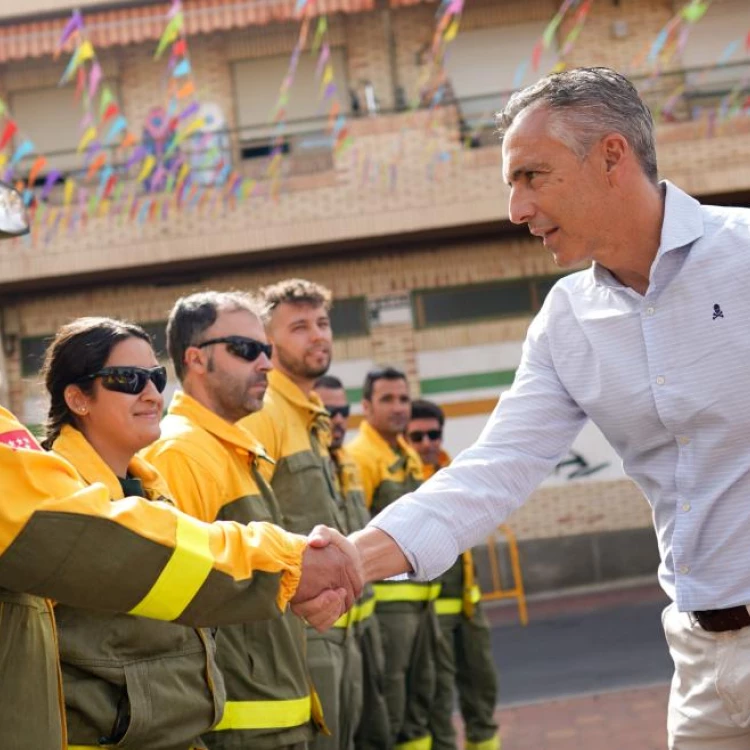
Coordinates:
<point>178,160</point>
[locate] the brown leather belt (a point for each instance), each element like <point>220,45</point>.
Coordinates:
<point>722,620</point>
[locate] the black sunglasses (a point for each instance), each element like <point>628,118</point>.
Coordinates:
<point>419,435</point>
<point>338,411</point>
<point>132,380</point>
<point>242,347</point>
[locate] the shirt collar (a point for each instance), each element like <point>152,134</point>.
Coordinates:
<point>292,393</point>
<point>73,446</point>
<point>373,436</point>
<point>681,227</point>
<point>186,406</point>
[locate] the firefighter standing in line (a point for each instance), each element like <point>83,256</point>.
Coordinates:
<point>373,732</point>
<point>65,541</point>
<point>219,350</point>
<point>125,678</point>
<point>295,429</point>
<point>464,659</point>
<point>390,468</point>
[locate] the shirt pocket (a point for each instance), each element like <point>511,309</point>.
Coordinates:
<point>303,493</point>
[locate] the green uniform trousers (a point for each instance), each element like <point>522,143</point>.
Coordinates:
<point>335,664</point>
<point>464,661</point>
<point>409,633</point>
<point>374,730</point>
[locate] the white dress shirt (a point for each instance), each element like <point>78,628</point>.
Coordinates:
<point>665,377</point>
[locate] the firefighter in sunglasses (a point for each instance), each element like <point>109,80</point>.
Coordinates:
<point>216,468</point>
<point>295,429</point>
<point>390,468</point>
<point>464,655</point>
<point>373,732</point>
<point>70,542</point>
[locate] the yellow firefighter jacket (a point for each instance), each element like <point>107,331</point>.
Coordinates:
<point>62,540</point>
<point>388,474</point>
<point>295,431</point>
<point>132,679</point>
<point>213,468</point>
<point>459,592</point>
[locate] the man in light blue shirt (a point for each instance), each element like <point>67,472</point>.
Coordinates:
<point>652,343</point>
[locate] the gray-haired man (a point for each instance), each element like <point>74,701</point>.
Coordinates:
<point>633,343</point>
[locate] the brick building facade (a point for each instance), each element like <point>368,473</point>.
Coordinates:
<point>408,227</point>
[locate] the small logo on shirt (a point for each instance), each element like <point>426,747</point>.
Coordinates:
<point>717,312</point>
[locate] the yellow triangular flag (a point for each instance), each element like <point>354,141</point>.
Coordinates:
<point>86,139</point>
<point>146,169</point>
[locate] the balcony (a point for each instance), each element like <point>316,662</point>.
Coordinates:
<point>405,174</point>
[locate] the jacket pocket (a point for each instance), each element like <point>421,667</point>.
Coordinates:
<point>304,492</point>
<point>134,714</point>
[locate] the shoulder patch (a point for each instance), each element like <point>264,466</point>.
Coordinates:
<point>19,439</point>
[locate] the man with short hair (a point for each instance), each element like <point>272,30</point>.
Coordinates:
<point>651,343</point>
<point>72,543</point>
<point>390,468</point>
<point>464,654</point>
<point>219,351</point>
<point>295,429</point>
<point>373,732</point>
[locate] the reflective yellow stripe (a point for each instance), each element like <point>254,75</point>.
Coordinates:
<point>456,606</point>
<point>366,609</point>
<point>423,743</point>
<point>493,743</point>
<point>449,606</point>
<point>183,575</point>
<point>346,619</point>
<point>265,714</point>
<point>406,592</point>
<point>358,613</point>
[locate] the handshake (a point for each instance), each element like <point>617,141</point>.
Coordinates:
<point>332,578</point>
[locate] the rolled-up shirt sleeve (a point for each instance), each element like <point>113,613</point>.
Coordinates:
<point>528,433</point>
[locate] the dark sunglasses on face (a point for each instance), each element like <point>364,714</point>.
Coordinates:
<point>132,380</point>
<point>338,411</point>
<point>419,435</point>
<point>242,347</point>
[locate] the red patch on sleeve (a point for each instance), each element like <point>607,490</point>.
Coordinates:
<point>19,439</point>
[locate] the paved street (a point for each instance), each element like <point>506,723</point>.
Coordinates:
<point>589,672</point>
<point>632,719</point>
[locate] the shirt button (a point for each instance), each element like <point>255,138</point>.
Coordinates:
<point>686,507</point>
<point>683,440</point>
<point>660,380</point>
<point>650,310</point>
<point>684,569</point>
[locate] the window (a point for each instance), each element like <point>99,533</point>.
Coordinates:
<point>349,317</point>
<point>158,333</point>
<point>497,299</point>
<point>483,63</point>
<point>256,88</point>
<point>33,350</point>
<point>725,23</point>
<point>52,121</point>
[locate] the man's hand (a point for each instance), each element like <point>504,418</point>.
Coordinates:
<point>324,610</point>
<point>329,562</point>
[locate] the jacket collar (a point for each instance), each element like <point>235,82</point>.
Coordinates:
<point>73,446</point>
<point>430,469</point>
<point>238,437</point>
<point>373,436</point>
<point>292,393</point>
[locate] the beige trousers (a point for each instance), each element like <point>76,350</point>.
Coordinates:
<point>709,703</point>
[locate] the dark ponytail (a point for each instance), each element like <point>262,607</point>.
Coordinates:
<point>79,349</point>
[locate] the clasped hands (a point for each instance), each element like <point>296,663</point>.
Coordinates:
<point>332,578</point>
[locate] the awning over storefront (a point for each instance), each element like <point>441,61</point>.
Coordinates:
<point>131,25</point>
